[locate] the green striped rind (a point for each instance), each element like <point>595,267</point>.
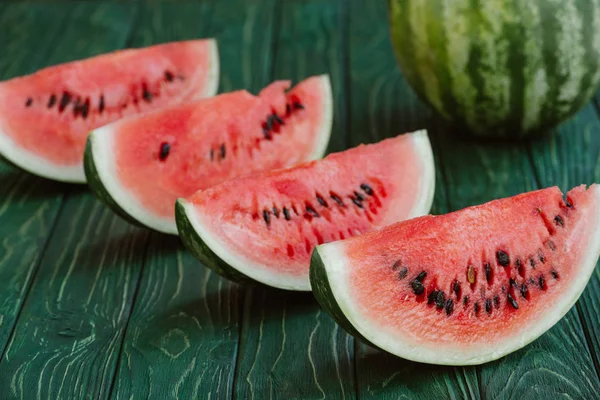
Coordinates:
<point>500,68</point>
<point>194,243</point>
<point>321,289</point>
<point>95,183</point>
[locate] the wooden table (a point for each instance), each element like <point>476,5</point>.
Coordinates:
<point>92,307</point>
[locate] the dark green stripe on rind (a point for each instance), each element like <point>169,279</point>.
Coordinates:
<point>194,243</point>
<point>95,183</point>
<point>321,288</point>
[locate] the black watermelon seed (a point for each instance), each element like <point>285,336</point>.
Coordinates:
<point>275,212</point>
<point>503,289</point>
<point>77,107</point>
<point>101,104</point>
<point>286,214</point>
<point>512,301</point>
<point>531,281</point>
<point>336,199</point>
<point>212,154</point>
<point>266,217</point>
<point>223,151</point>
<point>542,282</point>
<point>559,221</point>
<point>277,119</point>
<point>551,245</point>
<point>502,258</point>
<point>51,101</point>
<point>465,300</point>
<point>270,122</point>
<point>432,297</point>
<point>28,102</point>
<point>321,201</point>
<point>524,291</point>
<point>476,308</point>
<point>449,307</point>
<point>421,276</point>
<point>541,257</point>
<point>367,189</point>
<point>417,287</point>
<point>440,299</point>
<point>532,263</point>
<point>488,306</point>
<point>288,109</point>
<point>396,265</point>
<point>169,76</point>
<point>358,196</point>
<point>312,211</point>
<point>496,301</point>
<point>357,202</point>
<point>165,149</point>
<point>554,274</point>
<point>267,133</point>
<point>298,106</point>
<point>513,283</point>
<point>568,204</point>
<point>488,272</point>
<point>456,288</point>
<point>518,263</point>
<point>402,273</point>
<point>85,108</point>
<point>64,101</point>
<point>146,93</point>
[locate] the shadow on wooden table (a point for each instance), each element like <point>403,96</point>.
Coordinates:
<point>24,185</point>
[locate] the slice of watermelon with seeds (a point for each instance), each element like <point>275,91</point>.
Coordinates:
<point>45,117</point>
<point>140,165</point>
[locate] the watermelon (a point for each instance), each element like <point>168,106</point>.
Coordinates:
<point>500,68</point>
<point>140,165</point>
<point>45,117</point>
<point>263,228</point>
<point>466,287</point>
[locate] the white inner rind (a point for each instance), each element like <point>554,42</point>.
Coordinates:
<point>337,266</point>
<point>256,270</point>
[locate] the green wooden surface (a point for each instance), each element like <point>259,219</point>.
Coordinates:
<point>93,307</point>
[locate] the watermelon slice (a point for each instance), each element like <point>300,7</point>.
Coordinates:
<point>466,287</point>
<point>263,228</point>
<point>45,117</point>
<point>141,165</point>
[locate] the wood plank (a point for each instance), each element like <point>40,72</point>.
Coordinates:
<point>382,105</point>
<point>289,347</point>
<point>182,339</point>
<point>568,159</point>
<point>66,339</point>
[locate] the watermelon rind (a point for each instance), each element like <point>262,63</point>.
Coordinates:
<point>330,276</point>
<point>105,182</point>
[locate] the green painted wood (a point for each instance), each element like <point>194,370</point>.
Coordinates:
<point>568,159</point>
<point>290,349</point>
<point>182,339</point>
<point>381,106</point>
<point>66,340</point>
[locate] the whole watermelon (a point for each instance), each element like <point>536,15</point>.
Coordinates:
<point>500,68</point>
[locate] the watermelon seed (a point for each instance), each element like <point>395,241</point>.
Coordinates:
<point>266,216</point>
<point>554,274</point>
<point>503,289</point>
<point>85,108</point>
<point>288,109</point>
<point>488,273</point>
<point>568,204</point>
<point>169,76</point>
<point>267,132</point>
<point>551,245</point>
<point>421,276</point>
<point>518,263</point>
<point>496,301</point>
<point>476,308</point>
<point>531,281</point>
<point>321,200</point>
<point>541,257</point>
<point>531,262</point>
<point>297,105</point>
<point>145,93</point>
<point>396,265</point>
<point>402,273</point>
<point>465,300</point>
<point>275,212</point>
<point>64,101</point>
<point>417,287</point>
<point>456,288</point>
<point>277,119</point>
<point>294,209</point>
<point>356,202</point>
<point>367,189</point>
<point>28,102</point>
<point>542,282</point>
<point>432,297</point>
<point>524,291</point>
<point>513,283</point>
<point>270,122</point>
<point>336,198</point>
<point>165,149</point>
<point>101,105</point>
<point>312,211</point>
<point>51,100</point>
<point>358,196</point>
<point>471,274</point>
<point>559,221</point>
<point>440,299</point>
<point>286,214</point>
<point>223,151</point>
<point>512,301</point>
<point>502,258</point>
<point>449,307</point>
<point>488,306</point>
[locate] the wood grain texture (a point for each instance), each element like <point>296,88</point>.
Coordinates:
<point>182,338</point>
<point>66,340</point>
<point>289,348</point>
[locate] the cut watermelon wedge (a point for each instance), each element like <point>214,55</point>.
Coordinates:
<point>466,287</point>
<point>141,165</point>
<point>45,117</point>
<point>263,228</point>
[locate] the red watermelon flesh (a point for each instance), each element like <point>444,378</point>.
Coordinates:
<point>45,117</point>
<point>145,163</point>
<point>467,287</point>
<point>264,227</point>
